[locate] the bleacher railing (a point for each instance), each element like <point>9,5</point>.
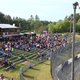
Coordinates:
<point>30,64</point>
<point>61,55</point>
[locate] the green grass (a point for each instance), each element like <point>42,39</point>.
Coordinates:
<point>39,72</point>
<point>77,38</point>
<point>16,72</point>
<point>12,72</point>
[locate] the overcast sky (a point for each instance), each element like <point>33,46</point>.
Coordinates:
<point>50,10</point>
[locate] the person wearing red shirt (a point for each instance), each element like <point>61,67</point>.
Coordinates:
<point>2,77</point>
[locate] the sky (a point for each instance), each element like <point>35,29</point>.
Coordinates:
<point>49,10</point>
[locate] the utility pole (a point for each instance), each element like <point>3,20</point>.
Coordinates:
<point>70,27</point>
<point>73,44</point>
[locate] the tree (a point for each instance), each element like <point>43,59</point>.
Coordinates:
<point>36,18</point>
<point>66,17</point>
<point>78,26</point>
<point>31,18</point>
<point>9,19</point>
<point>50,27</point>
<point>2,18</point>
<point>42,28</point>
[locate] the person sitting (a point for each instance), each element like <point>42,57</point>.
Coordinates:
<point>6,49</point>
<point>42,55</point>
<point>5,63</point>
<point>8,53</point>
<point>2,53</point>
<point>37,45</point>
<point>9,62</point>
<point>12,50</point>
<point>12,66</point>
<point>0,48</point>
<point>0,60</point>
<point>23,57</point>
<point>28,49</point>
<point>39,54</point>
<point>5,55</point>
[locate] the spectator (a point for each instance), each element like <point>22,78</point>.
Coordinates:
<point>39,54</point>
<point>23,57</point>
<point>2,77</point>
<point>6,63</point>
<point>12,78</point>
<point>0,60</point>
<point>12,66</point>
<point>42,55</point>
<point>9,62</point>
<point>12,50</point>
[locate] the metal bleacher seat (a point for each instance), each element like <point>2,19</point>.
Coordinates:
<point>14,64</point>
<point>7,68</point>
<point>2,66</point>
<point>31,55</point>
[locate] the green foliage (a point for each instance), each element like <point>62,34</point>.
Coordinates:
<point>60,26</point>
<point>42,28</point>
<point>36,18</point>
<point>51,27</point>
<point>78,26</point>
<point>34,23</point>
<point>24,31</point>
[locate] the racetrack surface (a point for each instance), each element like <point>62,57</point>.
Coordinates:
<point>65,73</point>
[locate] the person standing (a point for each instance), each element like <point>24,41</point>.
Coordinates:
<point>12,78</point>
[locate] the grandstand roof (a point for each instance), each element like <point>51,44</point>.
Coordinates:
<point>11,35</point>
<point>4,26</point>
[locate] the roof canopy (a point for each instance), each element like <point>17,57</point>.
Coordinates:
<point>11,35</point>
<point>4,26</point>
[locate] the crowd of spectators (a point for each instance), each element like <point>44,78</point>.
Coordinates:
<point>50,41</point>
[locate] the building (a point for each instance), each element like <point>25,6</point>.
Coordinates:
<point>7,30</point>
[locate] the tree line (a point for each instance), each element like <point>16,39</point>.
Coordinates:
<point>63,26</point>
<point>37,25</point>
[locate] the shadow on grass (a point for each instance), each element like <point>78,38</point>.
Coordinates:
<point>34,68</point>
<point>28,76</point>
<point>17,68</point>
<point>46,64</point>
<point>6,77</point>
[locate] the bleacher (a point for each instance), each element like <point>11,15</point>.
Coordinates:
<point>15,57</point>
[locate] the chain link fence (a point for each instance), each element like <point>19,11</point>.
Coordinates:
<point>61,55</point>
<point>30,64</point>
